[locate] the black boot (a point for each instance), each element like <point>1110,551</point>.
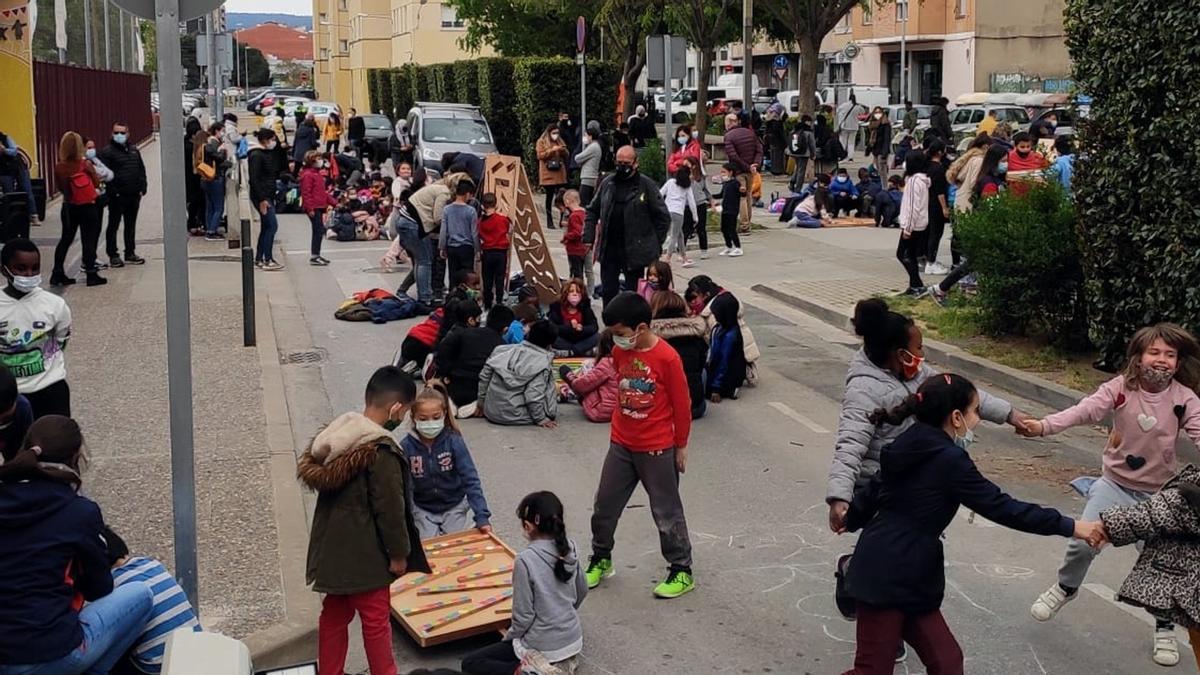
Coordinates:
<point>94,279</point>
<point>59,278</point>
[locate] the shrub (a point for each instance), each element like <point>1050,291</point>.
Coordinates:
<point>466,81</point>
<point>543,87</point>
<point>653,161</point>
<point>602,80</point>
<point>376,88</point>
<point>497,100</point>
<point>402,96</point>
<point>1025,253</point>
<point>1135,175</point>
<point>417,84</point>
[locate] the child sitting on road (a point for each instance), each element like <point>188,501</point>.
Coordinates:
<point>461,355</point>
<point>516,385</point>
<point>548,587</point>
<point>523,316</point>
<point>1151,404</point>
<point>727,355</point>
<point>572,239</point>
<point>814,210</point>
<point>869,188</point>
<point>171,611</point>
<point>658,278</point>
<point>887,204</point>
<point>573,318</point>
<point>688,335</point>
<point>363,536</point>
<point>596,387</point>
<point>843,193</point>
<point>445,482</point>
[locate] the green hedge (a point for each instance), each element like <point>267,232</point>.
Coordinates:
<point>1135,180</point>
<point>497,100</point>
<point>466,81</point>
<point>653,160</point>
<point>543,87</point>
<point>1025,252</point>
<point>418,85</point>
<point>376,89</point>
<point>402,91</point>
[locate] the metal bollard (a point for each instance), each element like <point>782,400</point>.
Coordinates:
<point>249,338</point>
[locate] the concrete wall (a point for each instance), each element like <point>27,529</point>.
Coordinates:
<point>958,67</point>
<point>418,37</point>
<point>1020,37</point>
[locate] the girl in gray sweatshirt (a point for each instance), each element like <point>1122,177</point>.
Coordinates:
<point>548,587</point>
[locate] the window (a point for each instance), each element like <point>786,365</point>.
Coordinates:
<point>324,18</point>
<point>902,10</point>
<point>724,55</point>
<point>866,12</point>
<point>456,130</point>
<point>341,5</point>
<point>324,54</point>
<point>960,8</point>
<point>450,17</point>
<point>343,46</point>
<point>843,25</point>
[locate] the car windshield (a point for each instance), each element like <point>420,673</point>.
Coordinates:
<point>455,130</point>
<point>376,122</point>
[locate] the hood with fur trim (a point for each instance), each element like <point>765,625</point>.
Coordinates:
<point>688,326</point>
<point>340,451</point>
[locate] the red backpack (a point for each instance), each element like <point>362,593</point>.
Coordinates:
<point>82,189</point>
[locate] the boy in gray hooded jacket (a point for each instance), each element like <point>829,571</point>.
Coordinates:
<point>516,385</point>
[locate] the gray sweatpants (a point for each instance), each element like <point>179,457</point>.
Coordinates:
<point>675,241</point>
<point>1104,494</point>
<point>431,524</point>
<point>656,471</point>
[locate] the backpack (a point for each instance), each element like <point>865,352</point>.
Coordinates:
<point>243,148</point>
<point>83,190</point>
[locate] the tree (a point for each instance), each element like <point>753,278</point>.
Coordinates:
<point>707,24</point>
<point>259,74</point>
<point>806,22</point>
<point>522,27</point>
<point>627,23</point>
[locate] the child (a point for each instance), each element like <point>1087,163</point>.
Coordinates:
<point>1152,402</point>
<point>528,295</point>
<point>516,385</point>
<point>813,210</point>
<point>681,200</point>
<point>572,316</point>
<point>868,191</point>
<point>573,234</point>
<point>459,237</point>
<point>727,357</point>
<point>445,482</point>
<point>731,198</point>
<point>648,444</point>
<point>1064,167</point>
<point>1023,157</point>
<point>896,573</point>
<point>37,327</point>
<point>363,536</point>
<point>316,199</point>
<point>914,219</point>
<point>596,387</point>
<point>902,149</point>
<point>843,193</point>
<point>688,336</point>
<point>419,343</point>
<point>461,355</point>
<point>887,205</point>
<point>494,243</point>
<point>701,292</point>
<point>523,316</point>
<point>548,588</point>
<point>658,278</point>
<point>171,611</point>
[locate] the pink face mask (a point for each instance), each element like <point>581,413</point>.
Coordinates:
<point>574,298</point>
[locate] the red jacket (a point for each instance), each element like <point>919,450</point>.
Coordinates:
<point>313,193</point>
<point>426,332</point>
<point>493,232</point>
<point>597,390</point>
<point>573,237</point>
<point>677,158</point>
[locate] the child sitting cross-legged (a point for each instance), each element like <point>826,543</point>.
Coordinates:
<point>463,352</point>
<point>516,385</point>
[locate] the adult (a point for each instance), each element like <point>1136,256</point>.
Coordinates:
<point>888,369</point>
<point>14,169</point>
<point>879,139</point>
<point>231,140</point>
<point>939,206</point>
<point>79,183</point>
<point>688,336</point>
<point>572,316</point>
<point>301,115</point>
<point>464,162</point>
<point>939,121</point>
<point>263,167</point>
<point>965,171</point>
<point>307,138</point>
<point>568,131</point>
<point>633,222</point>
<point>1044,128</point>
<point>751,119</point>
<point>845,123</point>
<point>744,151</point>
<point>909,124</point>
<point>214,154</point>
<point>427,204</point>
<point>775,139</point>
<point>125,192</point>
<point>356,133</point>
<point>553,153</point>
<point>55,558</point>
<point>400,144</point>
<point>332,134</point>
<point>641,128</point>
<point>588,159</point>
<point>686,149</point>
<point>191,182</point>
<point>988,125</point>
<point>414,239</point>
<point>802,147</point>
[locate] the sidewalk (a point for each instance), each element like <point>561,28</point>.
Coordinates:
<point>116,362</point>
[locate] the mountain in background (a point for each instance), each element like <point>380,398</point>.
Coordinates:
<point>240,20</point>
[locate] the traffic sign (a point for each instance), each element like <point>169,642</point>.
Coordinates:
<point>188,9</point>
<point>781,62</point>
<point>580,34</point>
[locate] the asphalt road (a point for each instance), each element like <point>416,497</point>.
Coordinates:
<point>754,498</point>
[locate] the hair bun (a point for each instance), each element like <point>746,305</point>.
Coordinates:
<point>869,316</point>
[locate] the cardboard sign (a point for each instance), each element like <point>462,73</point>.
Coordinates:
<point>504,176</point>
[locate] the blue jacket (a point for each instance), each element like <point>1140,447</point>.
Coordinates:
<point>836,188</point>
<point>923,479</point>
<point>443,474</point>
<point>870,187</point>
<point>1063,168</point>
<point>892,197</point>
<point>726,362</point>
<point>52,550</point>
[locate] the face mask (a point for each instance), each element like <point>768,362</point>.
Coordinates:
<point>1155,379</point>
<point>1022,153</point>
<point>119,139</point>
<point>271,145</point>
<point>90,153</point>
<point>965,440</point>
<point>878,116</point>
<point>1002,167</point>
<point>696,305</point>
<point>842,179</point>
<point>910,364</point>
<point>682,140</point>
<point>652,283</point>
<point>1052,123</point>
<point>430,428</point>
<point>625,342</point>
<point>472,294</point>
<point>574,298</point>
<point>624,171</point>
<point>695,134</point>
<point>26,284</point>
<point>554,137</point>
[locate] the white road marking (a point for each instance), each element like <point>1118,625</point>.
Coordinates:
<point>341,249</point>
<point>787,411</point>
<point>1106,593</point>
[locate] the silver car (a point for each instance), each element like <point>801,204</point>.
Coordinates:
<point>438,128</point>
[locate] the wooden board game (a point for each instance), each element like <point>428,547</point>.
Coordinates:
<point>847,221</point>
<point>468,593</point>
<point>504,176</point>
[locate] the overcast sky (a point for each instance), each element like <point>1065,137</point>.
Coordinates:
<point>301,7</point>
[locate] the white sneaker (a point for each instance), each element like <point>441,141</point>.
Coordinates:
<point>687,262</point>
<point>1048,603</point>
<point>272,266</point>
<point>936,268</point>
<point>1166,648</point>
<point>724,251</point>
<point>737,252</point>
<point>704,255</point>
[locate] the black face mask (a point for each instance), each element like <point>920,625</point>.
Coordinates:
<point>624,171</point>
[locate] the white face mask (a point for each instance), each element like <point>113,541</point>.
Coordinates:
<point>625,342</point>
<point>682,140</point>
<point>271,145</point>
<point>26,284</point>
<point>430,428</point>
<point>695,134</point>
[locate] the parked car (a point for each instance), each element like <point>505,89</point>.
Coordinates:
<point>269,97</point>
<point>683,103</point>
<point>964,120</point>
<point>790,100</point>
<point>319,109</point>
<point>1066,119</point>
<point>378,130</point>
<point>438,128</point>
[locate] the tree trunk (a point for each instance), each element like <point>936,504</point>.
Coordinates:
<point>810,58</point>
<point>634,62</point>
<point>702,81</point>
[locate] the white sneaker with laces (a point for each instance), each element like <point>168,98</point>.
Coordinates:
<point>724,251</point>
<point>687,262</point>
<point>1048,603</point>
<point>936,268</point>
<point>1166,648</point>
<point>704,255</point>
<point>736,253</point>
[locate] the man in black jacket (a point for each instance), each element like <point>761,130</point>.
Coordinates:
<point>356,132</point>
<point>633,220</point>
<point>125,192</point>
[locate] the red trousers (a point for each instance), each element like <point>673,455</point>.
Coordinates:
<point>333,638</point>
<point>880,631</point>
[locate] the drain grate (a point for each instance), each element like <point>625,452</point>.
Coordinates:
<point>307,356</point>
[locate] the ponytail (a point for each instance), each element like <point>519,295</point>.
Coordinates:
<point>544,511</point>
<point>935,400</point>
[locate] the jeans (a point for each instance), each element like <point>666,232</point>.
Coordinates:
<point>333,638</point>
<point>111,625</point>
<point>656,471</point>
<point>907,252</point>
<point>804,220</point>
<point>214,203</point>
<point>85,219</point>
<point>316,220</point>
<point>496,659</point>
<point>610,277</point>
<point>122,207</point>
<point>494,263</point>
<point>582,348</point>
<point>586,192</point>
<point>459,259</point>
<point>266,236</point>
<point>880,629</point>
<point>1103,495</point>
<point>797,181</point>
<point>421,253</point>
<point>431,524</point>
<point>842,201</point>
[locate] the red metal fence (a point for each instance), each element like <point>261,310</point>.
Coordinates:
<point>88,101</point>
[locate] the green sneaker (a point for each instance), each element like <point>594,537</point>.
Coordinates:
<point>599,570</point>
<point>677,583</point>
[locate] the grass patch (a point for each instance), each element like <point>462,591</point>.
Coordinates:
<point>961,322</point>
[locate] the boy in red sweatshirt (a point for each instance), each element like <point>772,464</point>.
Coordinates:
<point>573,236</point>
<point>649,444</point>
<point>493,240</point>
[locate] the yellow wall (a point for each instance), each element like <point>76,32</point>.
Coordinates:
<point>418,36</point>
<point>16,72</point>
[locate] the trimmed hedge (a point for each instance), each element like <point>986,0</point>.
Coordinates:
<point>402,88</point>
<point>375,89</point>
<point>1134,178</point>
<point>543,87</point>
<point>466,81</point>
<point>418,83</point>
<point>383,101</point>
<point>497,100</point>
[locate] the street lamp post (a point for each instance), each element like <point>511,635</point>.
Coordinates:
<point>903,6</point>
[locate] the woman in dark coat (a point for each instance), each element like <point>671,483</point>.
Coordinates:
<point>897,573</point>
<point>194,192</point>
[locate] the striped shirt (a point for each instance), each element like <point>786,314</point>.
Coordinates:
<point>171,612</point>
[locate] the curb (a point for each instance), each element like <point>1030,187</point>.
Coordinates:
<point>1023,384</point>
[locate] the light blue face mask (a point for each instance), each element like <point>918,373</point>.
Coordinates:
<point>965,440</point>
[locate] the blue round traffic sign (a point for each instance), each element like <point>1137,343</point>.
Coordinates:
<point>781,61</point>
